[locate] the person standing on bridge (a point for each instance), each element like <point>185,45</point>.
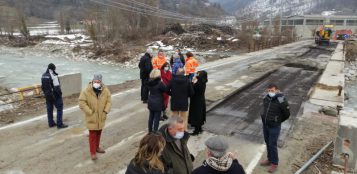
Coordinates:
<point>176,63</point>
<point>176,155</point>
<point>191,65</point>
<point>51,87</point>
<point>219,161</point>
<point>180,89</point>
<point>166,76</point>
<point>156,99</point>
<point>159,60</point>
<point>276,110</point>
<point>197,112</point>
<point>95,102</point>
<point>147,160</point>
<point>145,67</point>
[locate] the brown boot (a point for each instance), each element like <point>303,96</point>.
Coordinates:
<point>100,150</point>
<point>93,157</point>
<point>273,168</point>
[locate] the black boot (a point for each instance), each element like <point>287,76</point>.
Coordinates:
<point>200,129</point>
<point>195,132</point>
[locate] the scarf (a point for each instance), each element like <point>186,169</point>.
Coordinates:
<point>222,164</point>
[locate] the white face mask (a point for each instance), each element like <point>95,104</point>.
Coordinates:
<point>271,94</point>
<point>179,135</point>
<point>96,85</point>
<point>166,68</point>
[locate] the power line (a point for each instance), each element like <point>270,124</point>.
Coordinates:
<point>153,11</point>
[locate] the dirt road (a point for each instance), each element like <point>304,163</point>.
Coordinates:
<point>31,147</point>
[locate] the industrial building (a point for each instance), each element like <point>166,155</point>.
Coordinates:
<point>305,25</point>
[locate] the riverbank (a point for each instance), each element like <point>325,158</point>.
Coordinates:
<point>33,106</point>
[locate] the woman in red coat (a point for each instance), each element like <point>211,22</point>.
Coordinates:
<point>166,76</point>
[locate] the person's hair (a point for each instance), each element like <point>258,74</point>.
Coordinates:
<point>272,86</point>
<point>180,71</point>
<point>189,54</point>
<point>172,121</point>
<point>155,73</point>
<point>149,149</point>
<point>164,65</point>
<point>216,154</point>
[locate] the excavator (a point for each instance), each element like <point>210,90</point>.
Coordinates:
<point>323,35</point>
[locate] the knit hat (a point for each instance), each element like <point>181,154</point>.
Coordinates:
<point>97,77</point>
<point>52,66</point>
<point>217,145</point>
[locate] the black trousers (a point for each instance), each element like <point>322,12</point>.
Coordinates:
<point>144,90</point>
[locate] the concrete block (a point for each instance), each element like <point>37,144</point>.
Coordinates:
<point>71,84</point>
<point>346,140</point>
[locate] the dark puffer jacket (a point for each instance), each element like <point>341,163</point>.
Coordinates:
<point>276,110</point>
<point>180,89</point>
<point>47,85</point>
<point>156,96</point>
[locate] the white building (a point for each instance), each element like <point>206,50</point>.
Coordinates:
<point>305,25</point>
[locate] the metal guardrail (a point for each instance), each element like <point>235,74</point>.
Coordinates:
<point>21,92</point>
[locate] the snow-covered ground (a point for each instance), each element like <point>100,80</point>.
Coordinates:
<point>274,8</point>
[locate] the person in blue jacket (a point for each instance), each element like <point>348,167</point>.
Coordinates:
<point>51,88</point>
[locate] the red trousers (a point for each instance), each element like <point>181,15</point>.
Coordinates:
<point>94,140</point>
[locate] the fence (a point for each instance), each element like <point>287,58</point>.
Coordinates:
<point>260,45</point>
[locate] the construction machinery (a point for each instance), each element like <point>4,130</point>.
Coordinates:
<point>323,35</point>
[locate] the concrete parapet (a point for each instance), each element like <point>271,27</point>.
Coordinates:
<point>329,91</point>
<point>346,140</point>
<point>71,84</point>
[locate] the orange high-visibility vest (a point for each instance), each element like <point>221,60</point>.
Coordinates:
<point>158,61</point>
<point>191,65</point>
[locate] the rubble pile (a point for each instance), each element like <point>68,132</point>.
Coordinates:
<point>174,29</point>
<point>202,37</point>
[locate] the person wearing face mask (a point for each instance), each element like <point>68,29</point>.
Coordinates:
<point>176,63</point>
<point>95,102</point>
<point>159,60</point>
<point>148,157</point>
<point>176,155</point>
<point>197,111</point>
<point>166,76</point>
<point>51,88</point>
<point>276,111</point>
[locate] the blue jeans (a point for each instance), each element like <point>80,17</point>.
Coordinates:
<point>58,103</point>
<point>154,120</point>
<point>271,136</point>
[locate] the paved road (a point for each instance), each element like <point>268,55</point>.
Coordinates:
<point>31,147</point>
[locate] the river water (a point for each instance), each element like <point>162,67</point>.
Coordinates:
<point>24,66</point>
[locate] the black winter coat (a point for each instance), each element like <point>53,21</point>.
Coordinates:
<point>145,66</point>
<point>180,89</point>
<point>47,85</point>
<point>276,110</point>
<point>132,169</point>
<point>156,97</point>
<point>236,168</point>
<point>197,113</point>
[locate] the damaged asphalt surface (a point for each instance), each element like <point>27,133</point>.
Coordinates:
<point>31,147</point>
